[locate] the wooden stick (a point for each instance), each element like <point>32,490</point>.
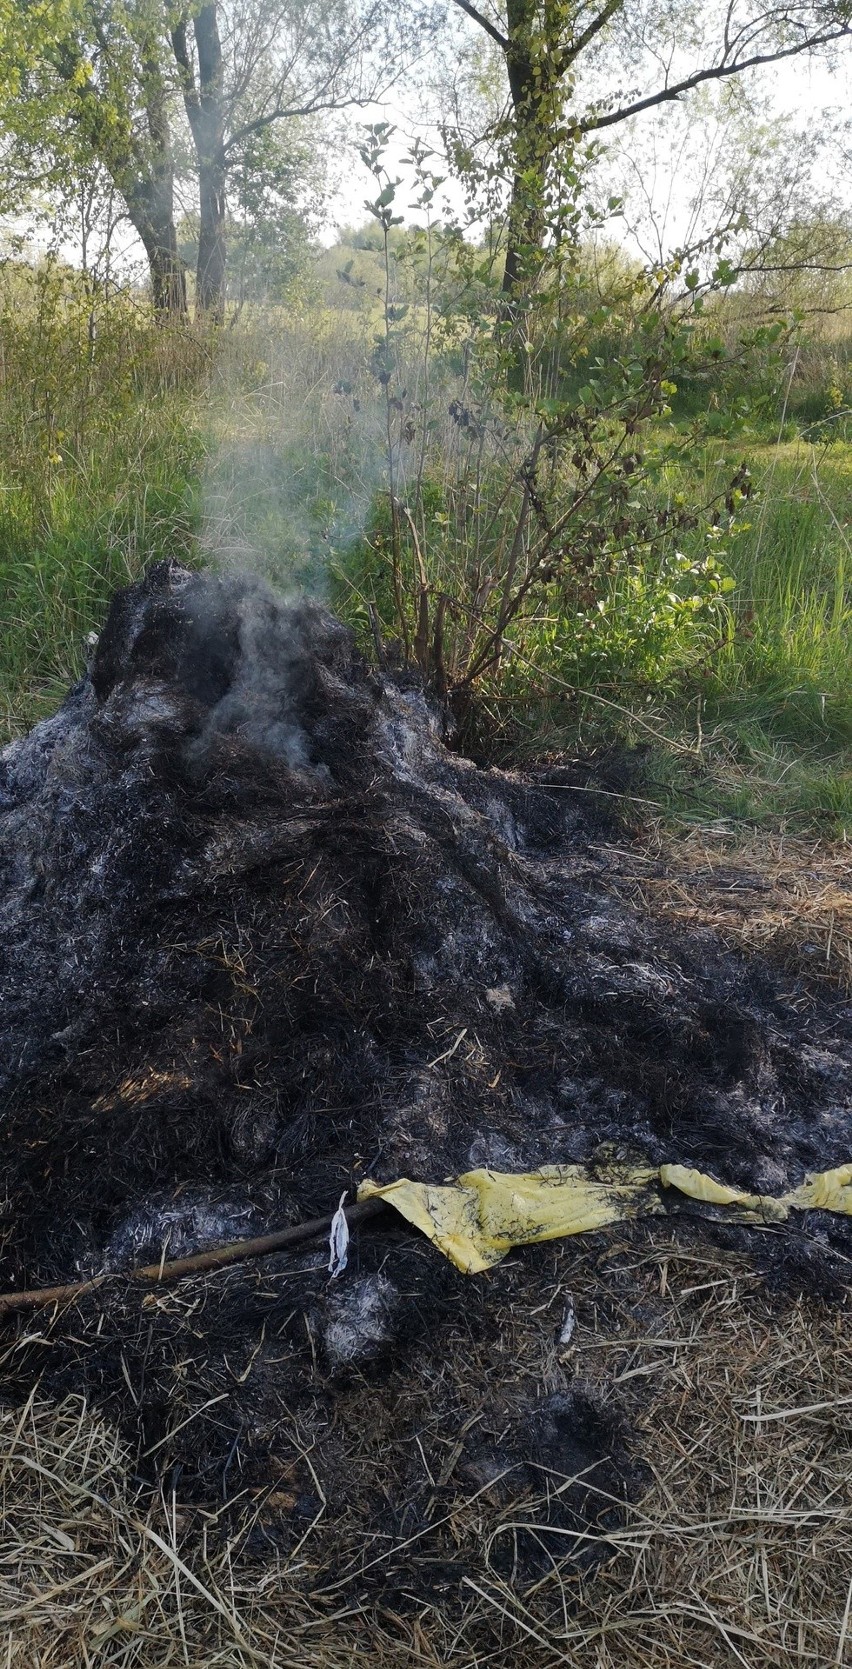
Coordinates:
<point>237,1251</point>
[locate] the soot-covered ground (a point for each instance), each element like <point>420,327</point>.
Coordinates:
<point>264,935</point>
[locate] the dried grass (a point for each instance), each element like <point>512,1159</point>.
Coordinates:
<point>738,1552</point>
<point>88,1575</point>
<point>787,898</point>
<point>741,1550</point>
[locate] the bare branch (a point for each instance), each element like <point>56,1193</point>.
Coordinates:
<point>484,23</point>
<point>580,42</point>
<point>284,112</point>
<point>717,72</point>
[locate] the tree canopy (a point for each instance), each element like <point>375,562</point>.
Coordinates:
<point>150,93</point>
<point>166,99</point>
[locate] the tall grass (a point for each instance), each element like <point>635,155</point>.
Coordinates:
<point>776,698</point>
<point>787,666</point>
<point>100,446</point>
<point>750,718</point>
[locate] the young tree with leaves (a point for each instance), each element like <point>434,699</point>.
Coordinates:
<point>560,56</point>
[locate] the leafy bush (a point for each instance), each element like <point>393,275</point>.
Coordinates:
<point>654,624</point>
<point>528,512</point>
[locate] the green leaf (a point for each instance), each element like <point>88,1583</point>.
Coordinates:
<point>724,274</point>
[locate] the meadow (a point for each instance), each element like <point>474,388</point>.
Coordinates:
<point>728,687</point>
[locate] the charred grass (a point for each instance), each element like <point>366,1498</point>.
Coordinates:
<point>737,1549</point>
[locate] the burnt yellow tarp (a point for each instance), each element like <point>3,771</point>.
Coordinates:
<point>479,1217</point>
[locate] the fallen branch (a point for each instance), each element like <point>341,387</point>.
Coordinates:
<point>237,1251</point>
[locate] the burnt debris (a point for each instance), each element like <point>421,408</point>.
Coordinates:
<point>263,935</point>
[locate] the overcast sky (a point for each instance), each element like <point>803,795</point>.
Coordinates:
<point>670,147</point>
<point>665,151</point>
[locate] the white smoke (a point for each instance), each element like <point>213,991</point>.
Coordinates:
<point>262,701</point>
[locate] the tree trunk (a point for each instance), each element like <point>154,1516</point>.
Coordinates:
<point>149,205</point>
<point>210,275</point>
<point>534,118</point>
<point>526,219</point>
<point>142,170</point>
<point>168,277</point>
<point>526,228</point>
<point>204,101</point>
<point>535,100</point>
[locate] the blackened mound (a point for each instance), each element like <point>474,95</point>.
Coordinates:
<point>262,934</point>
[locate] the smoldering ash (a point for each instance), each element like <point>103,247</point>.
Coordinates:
<point>263,935</point>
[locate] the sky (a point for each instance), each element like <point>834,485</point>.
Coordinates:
<point>804,89</point>
<point>665,148</point>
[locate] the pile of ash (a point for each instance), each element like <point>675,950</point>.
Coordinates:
<point>263,934</point>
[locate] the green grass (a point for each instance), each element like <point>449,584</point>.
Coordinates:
<point>95,527</point>
<point>787,667</point>
<point>744,714</point>
<point>742,710</point>
<point>777,698</point>
<point>100,454</point>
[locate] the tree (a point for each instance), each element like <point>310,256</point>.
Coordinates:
<point>548,45</point>
<point>733,174</point>
<point>274,190</point>
<point>245,67</point>
<point>205,104</point>
<point>83,84</point>
<point>114,81</point>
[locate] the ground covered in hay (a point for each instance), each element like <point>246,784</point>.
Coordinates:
<point>264,934</point>
<point>736,1550</point>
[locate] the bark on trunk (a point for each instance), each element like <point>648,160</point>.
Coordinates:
<point>149,205</point>
<point>526,222</point>
<point>204,101</point>
<point>531,97</point>
<point>168,278</point>
<point>526,225</point>
<point>526,231</point>
<point>210,275</point>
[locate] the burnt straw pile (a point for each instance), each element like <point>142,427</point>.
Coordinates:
<point>264,935</point>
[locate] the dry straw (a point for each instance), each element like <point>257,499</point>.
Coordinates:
<point>788,898</point>
<point>739,1551</point>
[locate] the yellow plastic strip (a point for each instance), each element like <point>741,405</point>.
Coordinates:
<point>697,1186</point>
<point>479,1217</point>
<point>829,1191</point>
<point>476,1220</point>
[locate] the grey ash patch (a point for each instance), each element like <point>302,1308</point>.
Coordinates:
<point>359,1322</point>
<point>176,1228</point>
